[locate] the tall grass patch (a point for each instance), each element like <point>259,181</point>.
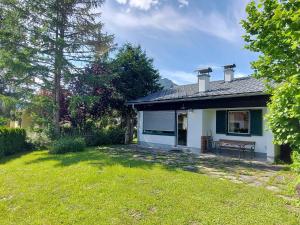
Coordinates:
<point>68,144</point>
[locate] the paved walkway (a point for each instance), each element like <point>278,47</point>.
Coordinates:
<point>275,178</point>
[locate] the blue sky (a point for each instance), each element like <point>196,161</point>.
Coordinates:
<point>182,35</point>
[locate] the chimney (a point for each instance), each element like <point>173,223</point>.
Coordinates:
<point>229,72</point>
<point>203,79</point>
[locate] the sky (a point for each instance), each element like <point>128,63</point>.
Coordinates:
<point>183,35</point>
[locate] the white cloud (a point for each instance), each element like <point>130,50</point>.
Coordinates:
<point>239,75</point>
<point>139,4</point>
<point>179,77</point>
<point>183,3</point>
<point>168,19</point>
<point>122,1</point>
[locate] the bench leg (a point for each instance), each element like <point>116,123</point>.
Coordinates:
<point>219,151</point>
<point>252,153</point>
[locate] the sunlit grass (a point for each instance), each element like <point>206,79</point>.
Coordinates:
<point>93,187</point>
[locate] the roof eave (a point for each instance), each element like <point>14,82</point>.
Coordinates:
<point>196,98</point>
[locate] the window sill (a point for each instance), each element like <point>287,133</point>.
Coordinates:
<point>242,135</point>
<point>158,133</point>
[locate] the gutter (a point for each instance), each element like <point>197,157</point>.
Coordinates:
<point>195,98</point>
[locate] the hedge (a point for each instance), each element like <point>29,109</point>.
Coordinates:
<point>67,144</point>
<point>106,136</point>
<point>12,140</point>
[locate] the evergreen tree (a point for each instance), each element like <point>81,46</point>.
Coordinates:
<point>45,42</point>
<point>135,77</point>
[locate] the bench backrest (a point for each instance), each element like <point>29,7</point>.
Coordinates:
<point>236,142</point>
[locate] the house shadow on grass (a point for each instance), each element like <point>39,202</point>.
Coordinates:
<point>192,162</point>
<point>136,157</point>
<point>95,157</point>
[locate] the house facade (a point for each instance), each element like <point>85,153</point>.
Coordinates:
<point>231,109</point>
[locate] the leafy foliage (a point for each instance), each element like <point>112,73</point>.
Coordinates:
<point>106,136</point>
<point>67,144</point>
<point>8,109</point>
<point>284,118</point>
<point>272,29</point>
<point>296,161</point>
<point>41,111</point>
<point>136,75</point>
<point>12,140</point>
<point>92,94</point>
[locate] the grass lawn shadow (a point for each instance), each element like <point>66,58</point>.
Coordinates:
<point>94,157</point>
<point>9,158</point>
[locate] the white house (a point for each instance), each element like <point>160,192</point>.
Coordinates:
<point>231,109</point>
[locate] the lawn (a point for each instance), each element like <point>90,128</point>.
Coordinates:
<point>96,187</point>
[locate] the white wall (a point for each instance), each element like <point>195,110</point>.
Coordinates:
<point>195,120</point>
<point>150,138</point>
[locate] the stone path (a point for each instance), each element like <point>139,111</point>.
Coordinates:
<point>274,178</point>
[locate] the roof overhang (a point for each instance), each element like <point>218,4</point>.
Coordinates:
<point>132,103</point>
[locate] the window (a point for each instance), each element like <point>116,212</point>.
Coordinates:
<point>159,122</point>
<point>239,122</point>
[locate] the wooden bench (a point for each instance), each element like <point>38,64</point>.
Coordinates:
<point>241,146</point>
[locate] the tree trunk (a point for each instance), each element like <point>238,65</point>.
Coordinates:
<point>58,66</point>
<point>131,129</point>
<point>56,113</point>
<point>56,87</point>
<point>127,129</point>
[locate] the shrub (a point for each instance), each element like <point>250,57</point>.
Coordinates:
<point>296,161</point>
<point>67,144</point>
<point>39,140</point>
<point>107,136</point>
<point>12,140</point>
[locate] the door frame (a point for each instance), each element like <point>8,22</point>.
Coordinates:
<point>177,113</point>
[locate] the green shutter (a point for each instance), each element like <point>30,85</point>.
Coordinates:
<point>221,122</point>
<point>256,120</point>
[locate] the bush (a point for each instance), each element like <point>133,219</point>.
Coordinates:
<point>296,161</point>
<point>39,140</point>
<point>107,136</point>
<point>67,144</point>
<point>12,140</point>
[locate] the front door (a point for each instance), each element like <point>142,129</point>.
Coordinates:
<point>182,128</point>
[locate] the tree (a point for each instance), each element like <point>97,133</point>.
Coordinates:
<point>8,103</point>
<point>272,29</point>
<point>45,42</point>
<point>135,77</point>
<point>92,94</point>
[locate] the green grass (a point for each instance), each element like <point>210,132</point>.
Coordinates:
<point>94,187</point>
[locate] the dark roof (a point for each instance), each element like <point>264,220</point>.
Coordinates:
<point>237,87</point>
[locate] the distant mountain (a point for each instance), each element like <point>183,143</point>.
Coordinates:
<point>166,83</point>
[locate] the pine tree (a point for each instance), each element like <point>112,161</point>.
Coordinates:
<point>136,77</point>
<point>45,42</point>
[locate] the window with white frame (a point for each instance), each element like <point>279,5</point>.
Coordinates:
<point>239,122</point>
